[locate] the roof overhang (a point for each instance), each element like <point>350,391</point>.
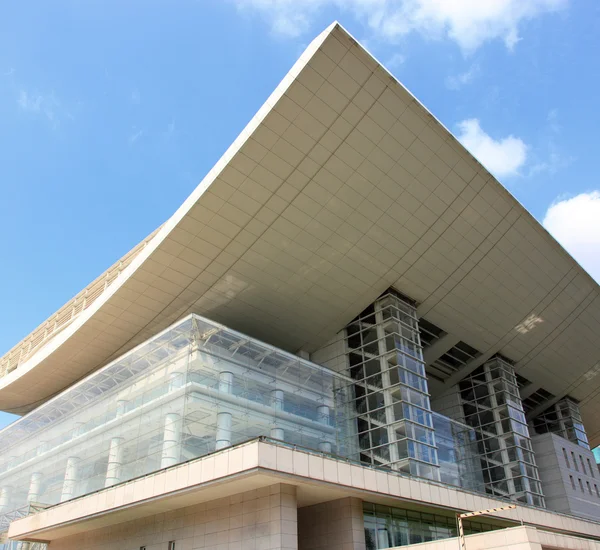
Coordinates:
<point>341,186</point>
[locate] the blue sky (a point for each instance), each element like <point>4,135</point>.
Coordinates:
<point>111,112</point>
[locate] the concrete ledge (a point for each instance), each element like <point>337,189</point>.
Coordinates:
<point>257,464</point>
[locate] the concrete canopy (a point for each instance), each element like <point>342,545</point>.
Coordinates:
<point>341,186</point>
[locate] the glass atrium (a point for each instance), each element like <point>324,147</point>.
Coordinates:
<point>195,388</point>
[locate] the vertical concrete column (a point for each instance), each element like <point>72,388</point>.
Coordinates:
<point>115,451</point>
<point>35,481</point>
<point>226,382</point>
<point>121,407</point>
<point>323,416</point>
<point>5,494</point>
<point>277,403</point>
<point>71,478</point>
<point>223,438</point>
<point>283,526</point>
<point>35,485</point>
<point>42,448</point>
<point>333,524</point>
<point>78,429</point>
<point>175,380</point>
<point>115,461</point>
<point>171,440</point>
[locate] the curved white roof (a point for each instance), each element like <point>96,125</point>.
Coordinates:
<point>341,186</point>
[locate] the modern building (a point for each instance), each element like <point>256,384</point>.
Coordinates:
<point>348,334</point>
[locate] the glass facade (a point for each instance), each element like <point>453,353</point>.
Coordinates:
<point>492,406</point>
<point>385,360</point>
<point>194,388</point>
<point>457,454</point>
<point>199,386</point>
<point>387,527</point>
<point>564,419</point>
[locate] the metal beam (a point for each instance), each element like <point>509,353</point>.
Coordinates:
<point>529,389</point>
<point>465,370</point>
<point>439,347</point>
<point>543,406</point>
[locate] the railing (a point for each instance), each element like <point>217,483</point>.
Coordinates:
<point>69,312</point>
<point>22,545</point>
<point>7,517</point>
<point>5,520</point>
<point>18,545</point>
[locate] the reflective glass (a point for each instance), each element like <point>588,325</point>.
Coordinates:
<point>195,388</point>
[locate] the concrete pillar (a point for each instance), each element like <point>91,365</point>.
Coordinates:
<point>333,524</point>
<point>175,380</point>
<point>5,494</point>
<point>226,382</point>
<point>277,404</point>
<point>35,483</point>
<point>277,399</point>
<point>71,478</point>
<point>115,451</point>
<point>115,462</point>
<point>122,407</point>
<point>78,430</point>
<point>42,448</point>
<point>224,419</point>
<point>171,440</point>
<point>223,438</point>
<point>323,418</point>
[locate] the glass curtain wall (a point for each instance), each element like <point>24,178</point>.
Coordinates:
<point>387,527</point>
<point>385,361</point>
<point>195,388</point>
<point>492,406</point>
<point>457,454</point>
<point>564,419</point>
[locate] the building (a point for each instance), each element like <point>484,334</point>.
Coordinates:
<point>347,334</point>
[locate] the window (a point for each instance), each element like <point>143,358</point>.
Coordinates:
<point>572,482</point>
<point>589,487</point>
<point>172,542</point>
<point>580,486</point>
<point>387,527</point>
<point>582,464</point>
<point>574,461</point>
<point>566,457</point>
<point>590,467</point>
<point>142,548</point>
<point>597,492</point>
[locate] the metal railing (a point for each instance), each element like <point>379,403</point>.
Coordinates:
<point>69,312</point>
<point>7,518</point>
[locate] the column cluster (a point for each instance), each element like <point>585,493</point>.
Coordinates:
<point>492,405</point>
<point>564,419</point>
<point>385,360</point>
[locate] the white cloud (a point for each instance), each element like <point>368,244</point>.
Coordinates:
<point>551,157</point>
<point>502,157</point>
<point>40,105</point>
<point>30,103</point>
<point>470,23</point>
<point>395,61</point>
<point>286,17</point>
<point>133,137</point>
<point>456,82</point>
<point>575,223</point>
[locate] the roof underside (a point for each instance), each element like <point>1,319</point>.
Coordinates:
<point>341,186</point>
